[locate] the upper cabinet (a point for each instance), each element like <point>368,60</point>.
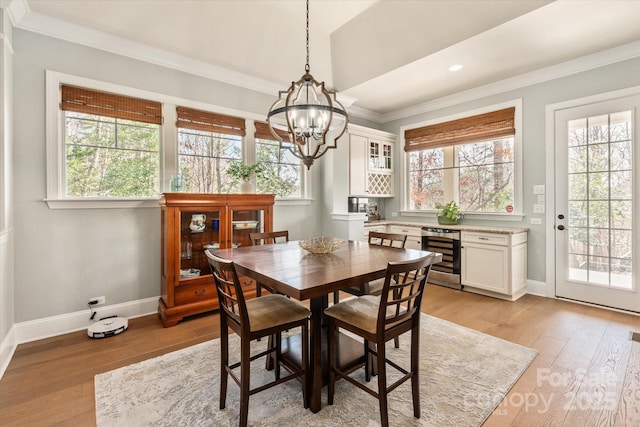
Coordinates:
<point>370,162</point>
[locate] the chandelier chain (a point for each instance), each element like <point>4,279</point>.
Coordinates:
<point>306,67</point>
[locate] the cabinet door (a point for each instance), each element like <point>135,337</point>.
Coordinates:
<point>357,165</point>
<point>199,229</point>
<point>245,221</point>
<point>485,267</point>
<point>414,235</point>
<point>380,156</point>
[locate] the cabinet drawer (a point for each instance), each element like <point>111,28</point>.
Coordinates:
<point>486,238</point>
<point>402,229</point>
<point>378,228</point>
<point>186,294</point>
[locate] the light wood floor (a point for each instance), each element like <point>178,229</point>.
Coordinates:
<point>587,371</point>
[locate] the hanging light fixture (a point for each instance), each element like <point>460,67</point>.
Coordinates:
<point>307,112</point>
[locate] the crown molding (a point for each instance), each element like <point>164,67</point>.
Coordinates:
<point>52,27</point>
<point>585,63</point>
<point>24,19</point>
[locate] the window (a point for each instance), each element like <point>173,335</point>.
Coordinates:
<point>472,160</point>
<point>282,171</point>
<point>111,144</point>
<point>207,144</point>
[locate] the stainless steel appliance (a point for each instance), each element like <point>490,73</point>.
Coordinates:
<point>358,204</point>
<point>447,242</point>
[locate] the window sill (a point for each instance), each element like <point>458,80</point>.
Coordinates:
<point>513,217</point>
<point>293,202</point>
<point>102,203</point>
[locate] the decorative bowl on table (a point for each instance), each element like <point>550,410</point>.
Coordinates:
<point>189,272</point>
<point>321,245</point>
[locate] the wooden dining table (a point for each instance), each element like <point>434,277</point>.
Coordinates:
<point>293,271</point>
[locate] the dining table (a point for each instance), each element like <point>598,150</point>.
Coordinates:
<point>289,269</point>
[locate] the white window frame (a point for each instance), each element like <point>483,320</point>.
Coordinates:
<point>518,212</point>
<point>55,143</point>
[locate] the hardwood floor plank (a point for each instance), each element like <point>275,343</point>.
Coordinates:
<point>50,382</point>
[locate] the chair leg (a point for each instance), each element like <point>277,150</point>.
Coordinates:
<point>224,360</point>
<point>382,385</point>
<point>396,342</point>
<point>415,370</point>
<point>367,361</point>
<point>305,364</point>
<point>278,357</point>
<point>336,297</point>
<point>245,377</point>
<point>332,361</point>
<point>269,361</point>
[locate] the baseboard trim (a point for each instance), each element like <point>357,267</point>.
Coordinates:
<point>57,325</point>
<point>7,349</point>
<point>38,329</point>
<point>535,287</point>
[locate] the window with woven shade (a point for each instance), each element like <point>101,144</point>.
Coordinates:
<point>470,160</point>
<point>208,143</point>
<point>282,172</point>
<point>112,144</point>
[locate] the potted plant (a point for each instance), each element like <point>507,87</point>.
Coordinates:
<point>241,172</point>
<point>448,214</point>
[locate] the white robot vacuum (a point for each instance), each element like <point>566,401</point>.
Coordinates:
<point>108,327</point>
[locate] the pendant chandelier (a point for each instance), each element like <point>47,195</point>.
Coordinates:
<point>305,114</point>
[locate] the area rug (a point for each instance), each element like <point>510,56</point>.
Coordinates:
<point>464,375</point>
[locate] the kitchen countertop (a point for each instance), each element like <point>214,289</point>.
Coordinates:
<point>461,227</point>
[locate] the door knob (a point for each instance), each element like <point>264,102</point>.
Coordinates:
<point>561,227</point>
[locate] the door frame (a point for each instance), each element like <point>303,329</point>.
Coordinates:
<point>550,178</point>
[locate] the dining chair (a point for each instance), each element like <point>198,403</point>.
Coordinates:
<point>374,287</point>
<point>265,239</point>
<point>378,319</point>
<point>252,319</point>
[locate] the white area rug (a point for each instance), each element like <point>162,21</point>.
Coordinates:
<point>464,375</point>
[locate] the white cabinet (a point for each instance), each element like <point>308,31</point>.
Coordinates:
<point>414,235</point>
<point>368,228</point>
<point>370,162</point>
<point>494,264</point>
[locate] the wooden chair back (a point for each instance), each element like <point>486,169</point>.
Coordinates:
<point>229,289</point>
<point>387,239</point>
<point>401,296</point>
<point>269,238</point>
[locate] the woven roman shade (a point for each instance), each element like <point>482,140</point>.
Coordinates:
<point>89,101</point>
<point>263,132</point>
<point>496,124</point>
<point>210,122</point>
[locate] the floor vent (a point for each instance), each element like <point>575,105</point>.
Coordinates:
<point>635,336</point>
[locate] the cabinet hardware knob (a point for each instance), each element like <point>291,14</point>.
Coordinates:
<point>200,293</point>
<point>483,238</point>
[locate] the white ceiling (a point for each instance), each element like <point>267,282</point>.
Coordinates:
<point>383,56</point>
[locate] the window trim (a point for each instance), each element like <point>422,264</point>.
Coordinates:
<point>55,153</point>
<point>518,212</point>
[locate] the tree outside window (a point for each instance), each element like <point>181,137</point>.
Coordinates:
<point>110,157</point>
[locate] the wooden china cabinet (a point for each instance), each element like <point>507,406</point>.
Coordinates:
<point>192,223</point>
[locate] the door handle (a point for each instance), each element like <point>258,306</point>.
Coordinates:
<point>561,227</point>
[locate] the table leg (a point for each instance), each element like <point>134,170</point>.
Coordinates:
<point>315,354</point>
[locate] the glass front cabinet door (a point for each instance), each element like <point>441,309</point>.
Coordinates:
<point>193,223</point>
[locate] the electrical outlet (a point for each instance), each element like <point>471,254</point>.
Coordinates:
<point>97,300</point>
<point>537,208</point>
<point>536,221</point>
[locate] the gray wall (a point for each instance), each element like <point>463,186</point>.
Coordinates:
<point>535,99</point>
<point>6,198</point>
<point>64,257</point>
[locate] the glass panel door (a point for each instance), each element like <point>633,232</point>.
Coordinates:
<point>199,230</point>
<point>596,218</point>
<point>245,222</point>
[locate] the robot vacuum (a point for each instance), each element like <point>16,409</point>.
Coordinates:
<point>108,327</point>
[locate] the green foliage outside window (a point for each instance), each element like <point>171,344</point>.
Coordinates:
<point>108,157</point>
